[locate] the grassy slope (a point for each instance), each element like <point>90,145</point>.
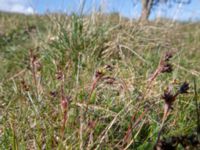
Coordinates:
<point>30,112</point>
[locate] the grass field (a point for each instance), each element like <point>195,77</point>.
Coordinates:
<point>86,82</point>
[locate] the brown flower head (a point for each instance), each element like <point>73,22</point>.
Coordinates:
<point>65,101</point>
<point>53,93</point>
<point>167,68</point>
<point>59,75</point>
<point>108,67</point>
<point>99,73</point>
<point>184,88</point>
<point>168,56</point>
<point>25,87</point>
<point>168,97</point>
<point>109,80</point>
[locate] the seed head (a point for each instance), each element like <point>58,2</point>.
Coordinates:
<point>59,75</point>
<point>184,88</point>
<point>65,101</point>
<point>99,73</point>
<point>168,97</point>
<point>168,56</point>
<point>53,93</point>
<point>24,85</point>
<point>109,80</point>
<point>167,68</point>
<point>108,67</point>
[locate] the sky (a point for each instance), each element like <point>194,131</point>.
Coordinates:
<point>127,8</point>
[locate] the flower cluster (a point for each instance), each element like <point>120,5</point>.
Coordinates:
<point>169,97</point>
<point>165,65</point>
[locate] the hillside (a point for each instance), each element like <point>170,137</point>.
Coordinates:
<point>97,82</point>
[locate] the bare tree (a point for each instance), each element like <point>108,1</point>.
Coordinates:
<point>146,10</point>
<point>147,6</point>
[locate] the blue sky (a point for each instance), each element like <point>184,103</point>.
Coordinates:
<point>128,8</point>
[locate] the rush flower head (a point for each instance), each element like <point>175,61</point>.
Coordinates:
<point>99,73</point>
<point>53,93</point>
<point>109,80</point>
<point>184,88</point>
<point>167,68</point>
<point>164,66</point>
<point>168,97</point>
<point>108,67</point>
<point>168,56</point>
<point>59,75</point>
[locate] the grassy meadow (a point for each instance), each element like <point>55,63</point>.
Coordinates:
<point>93,82</point>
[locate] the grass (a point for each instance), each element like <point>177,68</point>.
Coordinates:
<point>103,63</point>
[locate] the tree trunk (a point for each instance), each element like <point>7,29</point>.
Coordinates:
<point>146,10</point>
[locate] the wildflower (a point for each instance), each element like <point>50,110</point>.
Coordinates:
<point>59,75</point>
<point>24,85</point>
<point>108,67</point>
<point>109,80</point>
<point>168,97</point>
<point>65,101</point>
<point>167,68</point>
<point>53,93</point>
<point>99,73</point>
<point>184,88</point>
<point>168,56</point>
<point>64,107</point>
<point>164,66</point>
